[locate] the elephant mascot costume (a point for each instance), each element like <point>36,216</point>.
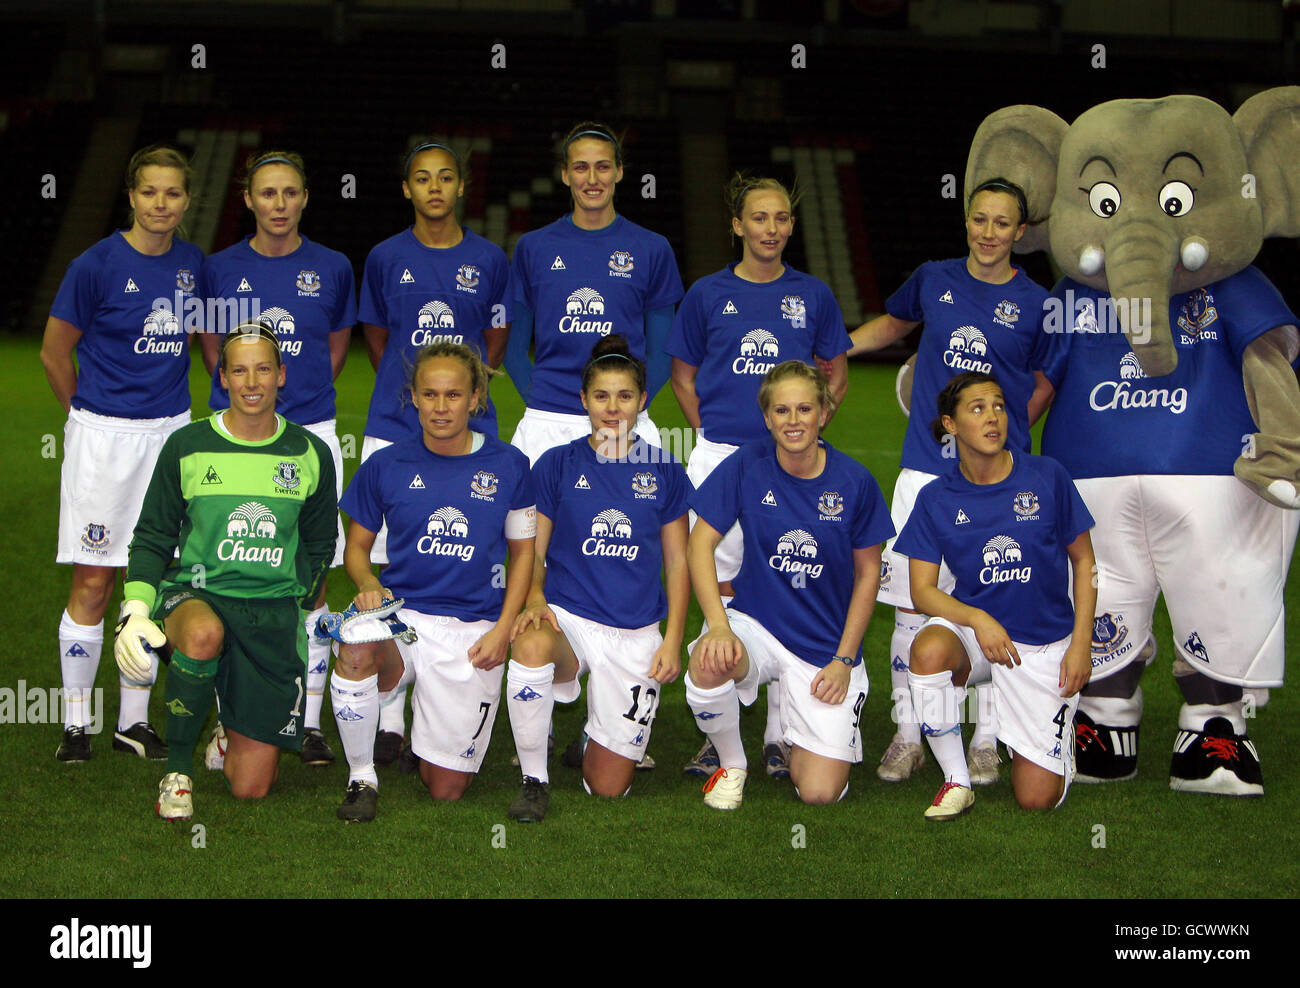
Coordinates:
<point>1176,409</point>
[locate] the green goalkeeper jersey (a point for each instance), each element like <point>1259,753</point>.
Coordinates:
<point>253,520</point>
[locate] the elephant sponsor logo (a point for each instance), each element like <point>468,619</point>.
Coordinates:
<point>792,308</point>
<point>585,302</point>
<point>1025,505</point>
<point>280,321</point>
<point>965,346</point>
<point>644,484</point>
<point>249,524</point>
<point>795,553</point>
<point>1128,392</point>
<point>1006,314</point>
<point>611,534</point>
<point>435,323</point>
<point>308,283</point>
<point>760,344</point>
<point>620,264</point>
<point>1109,638</point>
<point>1001,556</point>
<point>286,476</point>
<point>1196,648</point>
<point>467,276</point>
<point>1197,316</point>
<point>483,485</point>
<point>161,322</point>
<point>830,505</point>
<point>444,535</point>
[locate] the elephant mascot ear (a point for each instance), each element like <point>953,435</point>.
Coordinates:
<point>1269,124</point>
<point>1020,144</point>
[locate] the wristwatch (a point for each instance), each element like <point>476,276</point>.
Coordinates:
<point>848,660</point>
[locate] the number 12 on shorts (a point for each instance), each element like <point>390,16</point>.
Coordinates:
<point>651,695</point>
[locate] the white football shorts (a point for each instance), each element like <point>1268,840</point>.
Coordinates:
<point>326,430</point>
<point>370,445</point>
<point>895,580</point>
<point>107,465</point>
<point>705,458</point>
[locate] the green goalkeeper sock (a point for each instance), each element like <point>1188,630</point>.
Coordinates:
<point>188,700</point>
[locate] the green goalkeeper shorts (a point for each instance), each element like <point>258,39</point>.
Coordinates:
<point>261,679</point>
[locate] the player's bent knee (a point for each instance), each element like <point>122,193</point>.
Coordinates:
<point>533,648</point>
<point>448,790</point>
<point>200,639</point>
<point>357,662</point>
<point>250,788</point>
<point>933,652</point>
<point>818,795</point>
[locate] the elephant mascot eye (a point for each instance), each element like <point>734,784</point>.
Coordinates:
<point>1176,198</point>
<point>1104,199</point>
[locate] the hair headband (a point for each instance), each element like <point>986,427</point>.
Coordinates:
<point>603,135</point>
<point>429,146</point>
<point>1002,185</point>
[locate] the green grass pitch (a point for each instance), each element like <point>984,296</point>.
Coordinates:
<point>89,830</point>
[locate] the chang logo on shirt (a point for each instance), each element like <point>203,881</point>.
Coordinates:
<point>467,278</point>
<point>1107,396</point>
<point>585,302</point>
<point>281,322</point>
<point>452,524</point>
<point>160,322</point>
<point>250,523</point>
<point>757,343</point>
<point>964,345</point>
<point>644,485</point>
<point>795,552</point>
<point>831,506</point>
<point>792,308</point>
<point>436,324</point>
<point>483,485</point>
<point>620,264</point>
<point>1000,551</point>
<point>1197,315</point>
<point>1006,314</point>
<point>611,524</point>
<point>1025,505</point>
<point>1109,635</point>
<point>185,280</point>
<point>308,283</point>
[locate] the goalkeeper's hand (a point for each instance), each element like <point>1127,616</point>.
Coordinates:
<point>134,631</point>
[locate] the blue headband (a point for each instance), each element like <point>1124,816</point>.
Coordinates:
<point>429,146</point>
<point>273,160</point>
<point>1010,188</point>
<point>603,135</point>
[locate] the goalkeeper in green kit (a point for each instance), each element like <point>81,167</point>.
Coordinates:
<point>249,500</point>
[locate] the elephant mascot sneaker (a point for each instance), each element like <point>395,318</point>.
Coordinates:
<point>1176,410</point>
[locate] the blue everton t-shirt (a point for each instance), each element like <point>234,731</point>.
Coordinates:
<point>424,295</point>
<point>970,325</point>
<point>581,285</point>
<point>796,578</point>
<point>1108,419</point>
<point>133,357</point>
<point>734,331</point>
<point>1005,543</point>
<point>605,556</point>
<point>303,297</point>
<point>446,520</point>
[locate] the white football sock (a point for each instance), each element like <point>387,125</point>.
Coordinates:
<point>392,712</point>
<point>907,726</point>
<point>318,663</point>
<point>356,712</point>
<point>1114,711</point>
<point>720,708</point>
<point>1194,716</point>
<point>133,698</point>
<point>772,733</point>
<point>938,702</point>
<point>79,649</point>
<point>530,699</point>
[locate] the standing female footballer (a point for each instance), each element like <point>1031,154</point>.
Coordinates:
<point>588,274</point>
<point>455,502</point>
<point>436,281</point>
<point>813,521</point>
<point>125,392</point>
<point>732,328</point>
<point>610,517</point>
<point>981,313</point>
<point>307,297</point>
<point>1007,525</point>
<point>246,501</point>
